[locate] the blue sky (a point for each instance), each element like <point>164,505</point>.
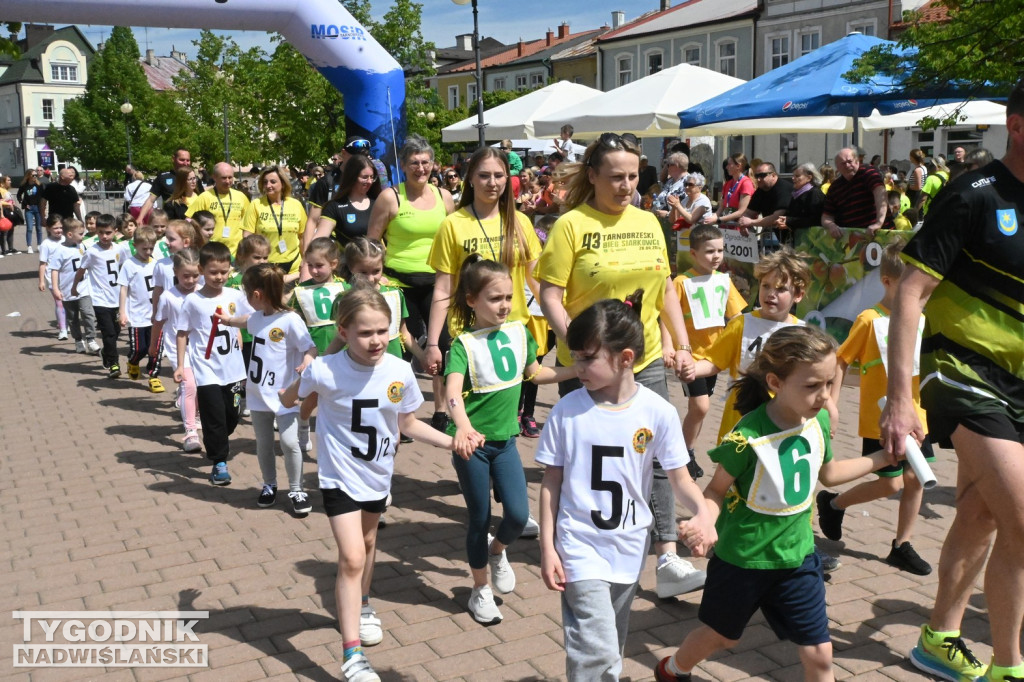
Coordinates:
<point>442,20</point>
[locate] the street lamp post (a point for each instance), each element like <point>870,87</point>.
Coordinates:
<point>480,125</point>
<point>126,109</point>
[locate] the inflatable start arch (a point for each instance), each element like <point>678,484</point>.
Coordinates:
<point>369,78</point>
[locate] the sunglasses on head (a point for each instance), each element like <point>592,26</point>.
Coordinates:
<point>358,146</point>
<point>614,141</point>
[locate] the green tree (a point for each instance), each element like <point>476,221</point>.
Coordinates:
<point>94,127</point>
<point>978,51</point>
<point>7,46</point>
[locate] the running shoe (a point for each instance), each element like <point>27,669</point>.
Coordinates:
<point>191,443</point>
<point>155,385</point>
<point>677,576</point>
<point>79,346</point>
<point>219,475</point>
<point>268,496</point>
<point>528,426</point>
<point>300,502</point>
<point>502,576</point>
<point>439,420</point>
<point>482,606</point>
<point>114,371</point>
<point>828,563</point>
<point>92,346</point>
<point>370,630</point>
<point>694,469</point>
<point>830,520</point>
<point>531,530</point>
<point>946,657</point>
<point>134,372</point>
<point>661,673</point>
<point>358,669</point>
<point>62,335</point>
<point>906,559</point>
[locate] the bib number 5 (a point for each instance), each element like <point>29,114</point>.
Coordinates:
<point>597,483</point>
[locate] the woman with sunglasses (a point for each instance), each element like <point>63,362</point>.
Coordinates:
<point>183,194</point>
<point>687,212</point>
<point>347,215</point>
<point>675,168</point>
<point>407,217</point>
<point>453,183</point>
<point>736,192</point>
<point>603,247</point>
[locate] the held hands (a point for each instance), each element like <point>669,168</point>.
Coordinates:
<point>466,441</point>
<point>685,367</point>
<point>668,356</point>
<point>698,535</point>
<point>432,360</point>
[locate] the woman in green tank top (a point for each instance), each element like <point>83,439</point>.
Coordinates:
<point>406,218</point>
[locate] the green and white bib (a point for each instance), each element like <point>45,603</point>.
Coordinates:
<point>787,469</point>
<point>496,356</point>
<point>316,302</point>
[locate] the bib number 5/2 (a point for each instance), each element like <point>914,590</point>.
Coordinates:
<point>373,447</point>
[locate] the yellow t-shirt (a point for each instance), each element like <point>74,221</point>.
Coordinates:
<point>901,222</point>
<point>861,347</point>
<point>702,339</point>
<point>286,245</point>
<point>729,352</point>
<point>228,212</point>
<point>595,256</point>
<point>460,235</point>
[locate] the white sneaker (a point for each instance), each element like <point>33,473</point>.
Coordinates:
<point>62,335</point>
<point>677,576</point>
<point>29,250</point>
<point>482,606</point>
<point>358,669</point>
<point>370,631</point>
<point>92,346</point>
<point>79,346</point>
<point>191,443</point>
<point>502,576</point>
<point>531,530</point>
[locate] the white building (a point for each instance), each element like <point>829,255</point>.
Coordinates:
<point>52,69</point>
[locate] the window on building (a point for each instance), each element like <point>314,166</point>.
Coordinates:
<point>865,26</point>
<point>654,62</point>
<point>470,94</point>
<point>67,73</point>
<point>727,58</point>
<point>809,42</point>
<point>691,55</point>
<point>536,79</point>
<point>624,70</point>
<point>499,83</point>
<point>578,79</point>
<point>778,51</point>
<point>453,96</point>
<point>47,109</point>
<point>521,82</point>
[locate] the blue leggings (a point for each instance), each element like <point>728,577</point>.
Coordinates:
<point>499,461</point>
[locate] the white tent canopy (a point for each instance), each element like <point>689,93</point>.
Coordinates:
<point>514,120</point>
<point>979,112</point>
<point>648,107</point>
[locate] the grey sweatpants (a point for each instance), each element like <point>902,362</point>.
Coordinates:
<point>288,430</point>
<point>80,315</point>
<point>595,615</point>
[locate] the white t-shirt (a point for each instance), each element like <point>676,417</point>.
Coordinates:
<point>163,273</point>
<point>167,311</point>
<point>601,531</point>
<point>278,344</point>
<point>66,260</point>
<point>138,277</point>
<point>136,193</point>
<point>225,365</point>
<point>357,426</point>
<point>47,248</point>
<point>101,266</point>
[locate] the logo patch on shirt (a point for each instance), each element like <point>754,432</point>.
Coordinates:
<point>640,440</point>
<point>395,391</point>
<point>350,218</point>
<point>1006,218</point>
<point>276,334</point>
<point>231,308</point>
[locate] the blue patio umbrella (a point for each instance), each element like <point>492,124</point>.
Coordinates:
<point>814,85</point>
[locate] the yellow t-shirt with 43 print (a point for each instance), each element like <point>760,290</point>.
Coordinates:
<point>595,255</point>
<point>286,243</point>
<point>228,211</point>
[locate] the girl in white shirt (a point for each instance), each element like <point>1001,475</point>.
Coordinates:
<point>365,397</point>
<point>599,447</point>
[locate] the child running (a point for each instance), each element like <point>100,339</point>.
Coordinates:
<point>180,234</point>
<point>102,262</point>
<point>599,446</point>
<point>365,396</point>
<point>158,222</point>
<point>206,222</point>
<point>709,300</point>
<point>866,345</point>
<point>252,250</point>
<point>77,303</point>
<point>186,276</point>
<point>314,298</point>
<point>136,309</point>
<point>761,496</point>
<point>54,238</point>
<point>281,345</point>
<point>483,378</point>
<point>214,355</point>
<point>783,279</point>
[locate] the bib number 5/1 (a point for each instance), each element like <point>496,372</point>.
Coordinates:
<point>598,484</point>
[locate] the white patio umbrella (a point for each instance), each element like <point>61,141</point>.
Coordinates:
<point>978,112</point>
<point>648,107</point>
<point>514,120</point>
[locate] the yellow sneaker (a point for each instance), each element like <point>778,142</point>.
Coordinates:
<point>945,655</point>
<point>155,386</point>
<point>133,371</point>
<point>1014,674</point>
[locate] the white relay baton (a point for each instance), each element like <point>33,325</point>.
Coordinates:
<point>916,459</point>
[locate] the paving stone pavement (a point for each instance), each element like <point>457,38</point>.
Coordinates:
<point>102,511</point>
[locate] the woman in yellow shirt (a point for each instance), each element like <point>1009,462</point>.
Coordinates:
<point>280,218</point>
<point>603,247</point>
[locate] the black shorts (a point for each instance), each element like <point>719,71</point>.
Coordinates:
<point>791,599</point>
<point>870,446</point>
<point>990,424</point>
<point>338,502</point>
<point>701,386</point>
